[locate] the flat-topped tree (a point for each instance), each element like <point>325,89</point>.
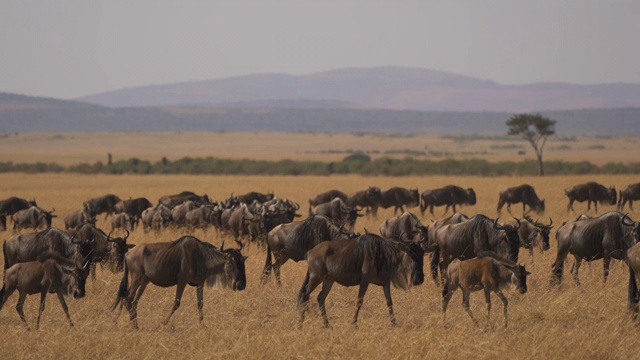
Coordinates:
<point>534,128</point>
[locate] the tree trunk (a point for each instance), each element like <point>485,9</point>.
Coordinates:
<point>540,166</point>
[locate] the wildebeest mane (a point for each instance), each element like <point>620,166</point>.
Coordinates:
<point>214,260</point>
<point>383,256</point>
<point>315,229</point>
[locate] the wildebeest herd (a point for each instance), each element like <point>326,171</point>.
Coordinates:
<point>470,253</point>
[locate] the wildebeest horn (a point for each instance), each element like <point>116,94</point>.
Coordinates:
<point>240,246</point>
<point>550,223</point>
<point>75,241</point>
<point>366,231</point>
<point>624,221</point>
<point>518,221</point>
<point>52,211</point>
<point>495,224</point>
<point>222,246</point>
<point>296,205</point>
<point>109,235</point>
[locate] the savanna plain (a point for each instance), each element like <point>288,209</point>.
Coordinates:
<point>548,321</point>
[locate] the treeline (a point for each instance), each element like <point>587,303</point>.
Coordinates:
<point>359,164</point>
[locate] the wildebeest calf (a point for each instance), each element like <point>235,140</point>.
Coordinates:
<point>50,274</point>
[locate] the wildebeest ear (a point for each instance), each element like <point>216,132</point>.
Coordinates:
<point>527,273</point>
<point>129,246</point>
<point>245,257</point>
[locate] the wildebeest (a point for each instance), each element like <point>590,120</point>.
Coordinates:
<point>3,223</point>
<point>449,195</point>
<point>103,204</point>
<point>179,212</point>
<point>628,194</point>
<point>178,263</point>
<point>532,233</point>
<point>406,227</point>
<point>123,221</point>
<point>368,260</point>
<point>524,194</point>
<point>32,218</point>
<point>293,240</point>
<point>172,201</point>
<point>368,199</point>
<point>202,217</point>
<point>488,272</point>
<point>252,196</point>
<point>133,207</point>
<point>78,217</point>
<point>466,239</point>
<point>13,204</point>
<point>605,237</point>
<point>398,198</point>
<point>591,192</point>
<point>156,218</point>
<point>338,211</point>
<point>51,273</point>
<point>326,197</point>
<point>633,256</point>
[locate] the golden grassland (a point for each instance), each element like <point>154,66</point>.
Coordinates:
<point>73,148</point>
<point>261,322</point>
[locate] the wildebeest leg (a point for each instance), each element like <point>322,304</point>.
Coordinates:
<point>466,293</point>
<point>531,252</point>
<point>200,298</point>
<point>509,208</point>
<point>487,299</point>
<point>447,293</point>
<point>589,205</point>
<point>313,283</point>
<point>570,206</point>
<point>92,267</point>
<point>64,306</point>
<point>595,204</point>
<point>137,288</point>
<point>176,304</point>
<point>447,209</point>
<point>43,297</point>
<point>19,305</point>
<point>606,261</point>
<point>505,302</point>
<point>431,209</point>
<point>322,296</point>
<point>363,290</point>
<point>523,209</point>
<point>558,265</point>
<point>303,288</point>
<point>630,205</point>
<point>575,268</point>
<point>280,260</point>
<point>387,294</point>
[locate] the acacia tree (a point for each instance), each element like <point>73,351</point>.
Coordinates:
<point>534,128</point>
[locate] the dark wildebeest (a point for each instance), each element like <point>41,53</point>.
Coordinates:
<point>172,201</point>
<point>240,219</point>
<point>605,237</point>
<point>591,192</point>
<point>338,211</point>
<point>466,239</point>
<point>488,272</point>
<point>633,256</point>
<point>368,260</point>
<point>399,197</point>
<point>293,240</point>
<point>524,194</point>
<point>432,237</point>
<point>178,263</point>
<point>103,204</point>
<point>406,227</point>
<point>79,217</point>
<point>133,207</point>
<point>202,217</point>
<point>449,195</point>
<point>628,194</point>
<point>533,234</point>
<point>252,196</point>
<point>51,273</point>
<point>369,199</point>
<point>179,212</point>
<point>123,221</point>
<point>3,222</point>
<point>326,197</point>
<point>32,218</point>
<point>160,214</point>
<point>12,205</point>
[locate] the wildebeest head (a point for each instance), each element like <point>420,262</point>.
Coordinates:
<point>234,269</point>
<point>544,231</point>
<point>416,253</point>
<point>634,234</point>
<point>119,250</point>
<point>613,195</point>
<point>83,258</point>
<point>519,277</point>
<point>512,245</point>
<point>415,197</point>
<point>471,196</point>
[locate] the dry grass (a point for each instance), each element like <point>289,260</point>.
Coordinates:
<point>74,148</point>
<point>260,322</point>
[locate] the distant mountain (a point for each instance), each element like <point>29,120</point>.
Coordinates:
<point>19,113</point>
<point>393,88</point>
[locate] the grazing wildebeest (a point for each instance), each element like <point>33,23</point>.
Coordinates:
<point>368,199</point>
<point>326,197</point>
<point>202,217</point>
<point>12,205</point>
<point>591,192</point>
<point>32,218</point>
<point>406,227</point>
<point>51,273</point>
<point>449,195</point>
<point>432,238</point>
<point>252,196</point>
<point>533,233</point>
<point>78,217</point>
<point>398,198</point>
<point>179,212</point>
<point>178,263</point>
<point>466,239</point>
<point>524,194</point>
<point>605,237</point>
<point>133,207</point>
<point>293,240</point>
<point>338,211</point>
<point>159,215</point>
<point>103,204</point>
<point>368,260</point>
<point>172,201</point>
<point>488,272</point>
<point>123,221</point>
<point>628,194</point>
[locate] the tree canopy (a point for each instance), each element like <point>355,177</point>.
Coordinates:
<point>534,128</point>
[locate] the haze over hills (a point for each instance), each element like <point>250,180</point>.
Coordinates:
<point>392,88</point>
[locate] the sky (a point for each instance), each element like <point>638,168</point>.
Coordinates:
<point>71,48</point>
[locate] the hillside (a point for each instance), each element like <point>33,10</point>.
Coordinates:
<point>392,88</point>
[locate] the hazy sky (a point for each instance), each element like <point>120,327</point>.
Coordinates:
<point>67,49</point>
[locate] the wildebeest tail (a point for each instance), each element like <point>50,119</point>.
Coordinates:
<point>123,290</point>
<point>435,262</point>
<point>633,293</point>
<point>2,296</point>
<point>6,260</point>
<point>620,199</point>
<point>268,262</point>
